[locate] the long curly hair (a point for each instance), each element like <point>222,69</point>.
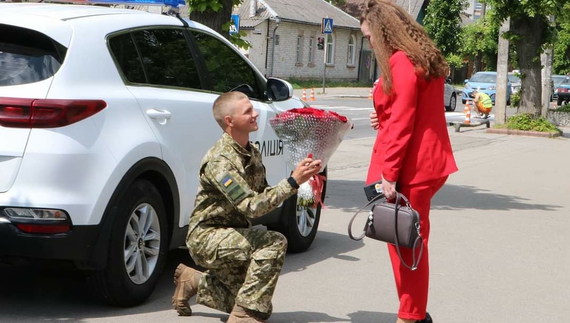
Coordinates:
<point>394,29</point>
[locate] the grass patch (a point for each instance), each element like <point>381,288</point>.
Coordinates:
<point>528,122</point>
<point>307,84</point>
<point>564,108</point>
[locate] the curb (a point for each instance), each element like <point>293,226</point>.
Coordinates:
<point>524,133</point>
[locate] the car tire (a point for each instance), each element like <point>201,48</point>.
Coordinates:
<point>301,225</point>
<point>452,103</point>
<point>137,247</point>
<point>559,101</point>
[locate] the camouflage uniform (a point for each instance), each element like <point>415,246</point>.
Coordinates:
<point>242,264</point>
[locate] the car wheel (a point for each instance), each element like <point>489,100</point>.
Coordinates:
<point>301,225</point>
<point>452,103</point>
<point>559,102</point>
<point>137,247</point>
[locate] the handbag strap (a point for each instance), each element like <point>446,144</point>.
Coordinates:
<point>377,197</point>
<point>415,262</point>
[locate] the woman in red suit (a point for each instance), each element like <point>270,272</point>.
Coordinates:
<point>412,152</point>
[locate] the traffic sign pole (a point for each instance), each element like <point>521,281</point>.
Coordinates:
<point>325,66</point>
<point>326,28</point>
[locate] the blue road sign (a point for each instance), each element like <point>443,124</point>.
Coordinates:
<point>234,26</point>
<point>327,26</point>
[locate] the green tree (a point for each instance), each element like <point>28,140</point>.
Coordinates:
<point>443,24</point>
<point>479,42</point>
<point>561,61</point>
<point>530,31</point>
<point>216,14</point>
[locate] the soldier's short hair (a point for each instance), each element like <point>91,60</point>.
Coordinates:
<point>224,105</point>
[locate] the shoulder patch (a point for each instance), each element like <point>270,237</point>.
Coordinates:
<point>231,187</point>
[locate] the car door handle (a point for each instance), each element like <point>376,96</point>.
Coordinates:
<point>158,114</point>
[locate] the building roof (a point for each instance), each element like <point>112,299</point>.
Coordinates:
<point>301,11</point>
<point>413,7</point>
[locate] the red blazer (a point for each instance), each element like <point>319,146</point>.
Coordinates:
<point>412,144</point>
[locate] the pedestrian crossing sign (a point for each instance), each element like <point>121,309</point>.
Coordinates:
<point>327,26</point>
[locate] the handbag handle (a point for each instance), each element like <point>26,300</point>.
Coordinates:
<point>377,197</point>
<point>415,262</point>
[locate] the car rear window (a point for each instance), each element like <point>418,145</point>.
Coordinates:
<point>27,56</point>
<point>557,79</point>
<point>513,78</point>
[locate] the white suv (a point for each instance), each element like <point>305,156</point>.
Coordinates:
<point>105,115</point>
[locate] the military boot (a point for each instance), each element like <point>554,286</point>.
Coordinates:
<point>186,280</point>
<point>243,315</point>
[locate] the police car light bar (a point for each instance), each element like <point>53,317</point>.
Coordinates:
<point>172,3</point>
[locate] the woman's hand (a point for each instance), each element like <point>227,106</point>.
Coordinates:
<point>388,188</point>
<point>374,120</point>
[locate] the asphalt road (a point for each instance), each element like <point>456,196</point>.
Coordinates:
<point>498,247</point>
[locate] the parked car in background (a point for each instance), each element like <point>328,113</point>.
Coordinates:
<point>515,81</point>
<point>449,96</point>
<point>485,82</point>
<point>556,80</point>
<point>563,90</point>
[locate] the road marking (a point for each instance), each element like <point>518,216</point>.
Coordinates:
<point>343,108</point>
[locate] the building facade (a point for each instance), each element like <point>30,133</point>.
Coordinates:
<point>285,37</point>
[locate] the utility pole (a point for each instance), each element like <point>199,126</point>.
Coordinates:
<point>546,73</point>
<point>502,71</point>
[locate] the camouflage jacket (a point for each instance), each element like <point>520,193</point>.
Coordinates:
<point>233,188</point>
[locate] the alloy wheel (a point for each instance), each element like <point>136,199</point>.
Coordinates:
<point>142,243</point>
<point>306,218</point>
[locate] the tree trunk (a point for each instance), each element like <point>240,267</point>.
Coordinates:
<point>477,63</point>
<point>213,19</point>
<point>529,31</point>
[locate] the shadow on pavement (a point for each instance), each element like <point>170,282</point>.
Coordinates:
<point>457,197</point>
<point>345,195</point>
<point>305,317</point>
<point>372,317</point>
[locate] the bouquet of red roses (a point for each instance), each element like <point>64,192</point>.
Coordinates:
<point>310,132</point>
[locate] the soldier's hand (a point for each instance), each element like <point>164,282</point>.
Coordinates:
<point>306,169</point>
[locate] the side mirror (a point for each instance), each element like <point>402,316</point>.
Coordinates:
<point>278,90</point>
<point>465,82</point>
<point>448,80</point>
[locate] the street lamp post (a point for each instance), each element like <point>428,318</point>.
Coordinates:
<point>277,21</point>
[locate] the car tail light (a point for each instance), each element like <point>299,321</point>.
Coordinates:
<point>38,220</point>
<point>46,113</point>
<point>562,89</point>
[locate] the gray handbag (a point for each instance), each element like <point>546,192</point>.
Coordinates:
<point>392,223</point>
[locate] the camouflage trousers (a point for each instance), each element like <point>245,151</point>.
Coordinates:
<point>241,269</point>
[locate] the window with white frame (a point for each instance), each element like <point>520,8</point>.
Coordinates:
<point>330,49</point>
<point>351,50</point>
<point>299,49</point>
<point>311,50</point>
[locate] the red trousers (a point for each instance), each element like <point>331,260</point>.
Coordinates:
<point>412,286</point>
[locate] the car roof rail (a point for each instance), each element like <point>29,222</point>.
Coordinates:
<point>172,5</point>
